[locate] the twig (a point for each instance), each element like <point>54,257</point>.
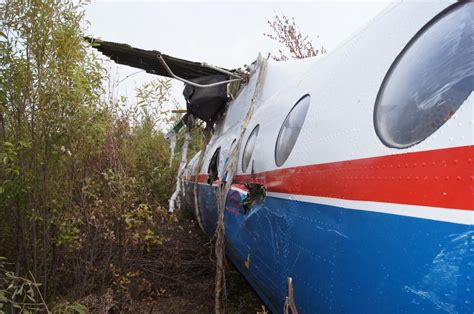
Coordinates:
<point>39,292</point>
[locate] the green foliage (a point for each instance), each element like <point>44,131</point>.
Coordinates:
<point>148,96</point>
<point>69,308</point>
<point>12,186</point>
<point>51,124</point>
<point>82,179</point>
<point>19,294</point>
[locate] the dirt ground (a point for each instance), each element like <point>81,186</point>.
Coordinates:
<point>178,277</point>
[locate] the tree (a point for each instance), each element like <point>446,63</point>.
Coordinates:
<point>50,114</point>
<point>287,33</point>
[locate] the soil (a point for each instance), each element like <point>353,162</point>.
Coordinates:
<point>178,277</point>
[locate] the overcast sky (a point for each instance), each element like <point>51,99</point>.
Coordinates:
<point>226,34</point>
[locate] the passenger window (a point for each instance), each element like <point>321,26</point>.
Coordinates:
<point>290,130</point>
<point>249,147</point>
<point>212,170</point>
<point>429,80</point>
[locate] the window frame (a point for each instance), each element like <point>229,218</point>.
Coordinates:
<point>257,130</point>
<point>438,17</point>
<point>307,95</point>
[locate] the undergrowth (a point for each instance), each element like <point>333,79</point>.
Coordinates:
<point>84,177</point>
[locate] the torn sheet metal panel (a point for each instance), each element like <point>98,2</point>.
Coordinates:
<point>205,86</point>
<point>148,60</point>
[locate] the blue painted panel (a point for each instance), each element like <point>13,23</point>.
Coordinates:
<point>372,262</point>
<point>260,234</point>
<point>208,206</point>
<point>348,261</point>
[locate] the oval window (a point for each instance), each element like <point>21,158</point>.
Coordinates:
<point>290,130</point>
<point>429,80</point>
<point>248,150</point>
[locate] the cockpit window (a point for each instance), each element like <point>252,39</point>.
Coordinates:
<point>429,80</point>
<point>290,130</point>
<point>249,147</point>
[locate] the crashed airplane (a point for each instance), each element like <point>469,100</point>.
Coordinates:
<point>345,181</point>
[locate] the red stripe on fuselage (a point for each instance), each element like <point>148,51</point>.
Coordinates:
<point>437,178</point>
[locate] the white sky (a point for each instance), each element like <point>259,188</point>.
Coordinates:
<point>226,34</point>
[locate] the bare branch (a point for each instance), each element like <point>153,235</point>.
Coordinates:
<point>286,32</point>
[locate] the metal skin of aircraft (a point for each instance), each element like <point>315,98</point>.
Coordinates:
<point>366,156</point>
<point>354,178</point>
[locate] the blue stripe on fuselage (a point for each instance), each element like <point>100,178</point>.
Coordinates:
<point>344,260</point>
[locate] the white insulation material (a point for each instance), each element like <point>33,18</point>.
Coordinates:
<point>174,201</point>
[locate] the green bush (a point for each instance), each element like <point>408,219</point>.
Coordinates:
<point>82,181</point>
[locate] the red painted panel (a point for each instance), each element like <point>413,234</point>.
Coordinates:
<point>438,178</point>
